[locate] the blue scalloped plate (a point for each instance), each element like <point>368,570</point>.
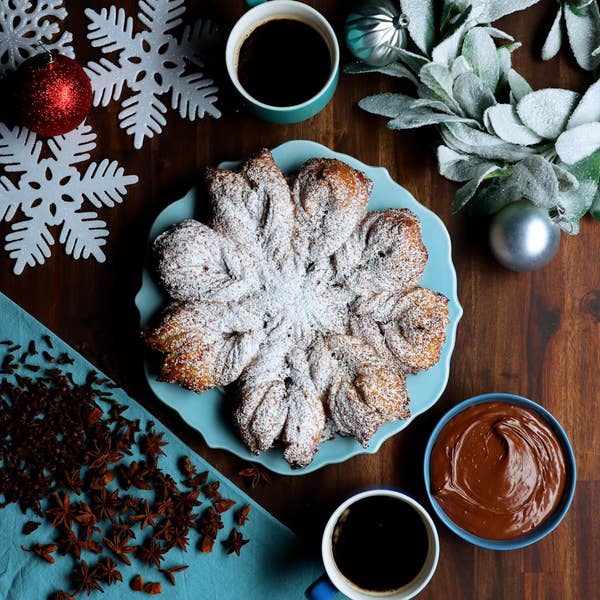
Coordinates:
<point>206,413</point>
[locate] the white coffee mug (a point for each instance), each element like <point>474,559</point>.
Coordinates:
<point>334,582</point>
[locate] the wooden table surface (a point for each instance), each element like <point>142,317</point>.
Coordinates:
<point>532,334</point>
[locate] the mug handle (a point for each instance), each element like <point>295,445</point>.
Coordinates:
<point>252,3</point>
<point>321,589</point>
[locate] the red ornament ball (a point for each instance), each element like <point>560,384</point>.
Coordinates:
<point>52,94</point>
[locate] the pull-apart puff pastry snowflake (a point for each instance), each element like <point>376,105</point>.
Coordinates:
<point>304,299</point>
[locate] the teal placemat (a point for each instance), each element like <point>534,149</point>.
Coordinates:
<point>271,567</point>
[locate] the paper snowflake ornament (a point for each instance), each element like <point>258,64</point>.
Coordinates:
<point>51,191</point>
<point>151,63</point>
<point>24,25</point>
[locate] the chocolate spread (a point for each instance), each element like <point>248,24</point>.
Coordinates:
<point>497,470</point>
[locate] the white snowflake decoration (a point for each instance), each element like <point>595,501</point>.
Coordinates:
<point>25,24</point>
<point>50,191</point>
<point>150,63</point>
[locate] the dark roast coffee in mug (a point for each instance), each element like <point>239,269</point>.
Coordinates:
<point>380,544</point>
<point>283,62</point>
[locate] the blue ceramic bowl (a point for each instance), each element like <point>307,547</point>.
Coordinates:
<point>571,475</point>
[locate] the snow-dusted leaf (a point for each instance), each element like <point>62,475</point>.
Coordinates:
<point>487,11</point>
<point>25,24</point>
<point>578,143</point>
<point>436,105</point>
<point>535,179</point>
<point>554,38</point>
<point>505,123</point>
<point>493,196</point>
<point>566,180</point>
<point>469,140</point>
<point>18,148</point>
<point>480,52</point>
<point>394,69</point>
<point>195,96</point>
<point>421,22</point>
<point>420,117</point>
<point>161,15</point>
<point>473,96</point>
<point>28,243</point>
<point>142,116</point>
<point>469,189</point>
<point>439,80</point>
<point>110,29</point>
<point>577,202</point>
<point>588,109</point>
<point>83,235</point>
<point>105,183</point>
<point>73,147</point>
<point>107,80</point>
<point>583,29</point>
<point>498,34</point>
<point>505,62</point>
<point>460,66</point>
<point>386,104</point>
<point>447,50</point>
<point>412,60</point>
<point>457,166</point>
<point>546,112</point>
<point>518,85</point>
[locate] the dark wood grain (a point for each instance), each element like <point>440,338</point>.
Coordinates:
<point>535,334</point>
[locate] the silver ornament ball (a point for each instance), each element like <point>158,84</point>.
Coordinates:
<point>523,237</point>
<point>374,30</point>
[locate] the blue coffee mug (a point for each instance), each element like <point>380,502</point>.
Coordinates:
<point>265,11</point>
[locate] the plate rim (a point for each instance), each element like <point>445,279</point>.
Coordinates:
<point>451,331</point>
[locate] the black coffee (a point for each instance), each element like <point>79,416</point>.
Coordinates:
<point>380,543</point>
<point>284,62</point>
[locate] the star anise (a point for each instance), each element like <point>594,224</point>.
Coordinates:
<point>255,475</point>
<point>169,573</point>
<point>211,490</point>
<point>118,543</point>
<point>84,578</point>
<point>104,453</point>
<point>146,516</point>
<point>124,529</point>
<point>69,543</point>
<point>107,571</point>
<point>137,583</point>
<point>165,530</point>
<point>153,588</point>
<point>234,542</point>
<point>223,505</point>
<point>61,595</point>
<point>241,516</point>
<point>152,444</point>
<point>61,512</point>
<point>73,480</point>
<point>44,551</point>
<point>133,475</point>
<point>180,538</point>
<point>99,478</point>
<point>105,504</point>
<point>209,523</point>
<point>150,552</point>
<point>186,466</point>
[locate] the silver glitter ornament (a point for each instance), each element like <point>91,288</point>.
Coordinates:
<point>523,237</point>
<point>374,30</point>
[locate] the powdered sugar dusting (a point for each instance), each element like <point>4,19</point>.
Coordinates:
<point>302,297</point>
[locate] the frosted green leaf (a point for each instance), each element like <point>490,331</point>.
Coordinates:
<point>420,117</point>
<point>534,179</point>
<point>518,85</point>
<point>447,50</point>
<point>547,111</point>
<point>467,191</point>
<point>386,104</point>
<point>554,38</point>
<point>472,95</point>
<point>583,30</point>
<point>432,104</point>
<point>421,22</point>
<point>460,66</point>
<point>439,80</point>
<point>499,34</point>
<point>487,11</point>
<point>505,123</point>
<point>566,180</point>
<point>577,202</point>
<point>493,196</point>
<point>393,70</point>
<point>588,109</point>
<point>457,166</point>
<point>480,51</point>
<point>595,208</point>
<point>578,143</point>
<point>469,140</point>
<point>505,62</point>
<point>412,60</point>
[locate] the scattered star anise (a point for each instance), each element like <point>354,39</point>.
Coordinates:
<point>61,512</point>
<point>209,523</point>
<point>255,475</point>
<point>105,504</point>
<point>207,543</point>
<point>107,571</point>
<point>44,551</point>
<point>119,545</point>
<point>153,588</point>
<point>241,516</point>
<point>234,542</point>
<point>84,578</point>
<point>152,444</point>
<point>223,505</point>
<point>146,517</point>
<point>211,490</point>
<point>169,573</point>
<point>133,475</point>
<point>73,480</point>
<point>150,552</point>
<point>137,583</point>
<point>69,543</point>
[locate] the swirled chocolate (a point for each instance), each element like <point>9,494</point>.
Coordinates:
<point>497,470</point>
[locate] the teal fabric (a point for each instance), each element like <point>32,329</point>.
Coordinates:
<point>272,566</point>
